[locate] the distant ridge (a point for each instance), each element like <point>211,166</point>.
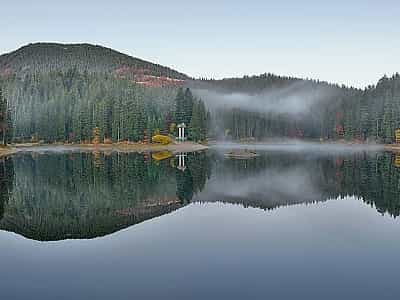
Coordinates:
<point>52,57</point>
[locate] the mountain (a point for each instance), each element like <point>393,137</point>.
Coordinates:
<point>53,57</point>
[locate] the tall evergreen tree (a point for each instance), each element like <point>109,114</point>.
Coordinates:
<point>180,113</point>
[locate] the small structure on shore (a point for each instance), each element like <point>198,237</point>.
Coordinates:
<point>241,154</point>
<point>181,132</point>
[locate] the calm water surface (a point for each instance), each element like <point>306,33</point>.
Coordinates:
<point>297,224</point>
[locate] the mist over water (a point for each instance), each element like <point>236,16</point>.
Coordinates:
<point>295,145</point>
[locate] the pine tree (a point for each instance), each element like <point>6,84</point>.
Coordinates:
<point>188,106</point>
<point>3,118</point>
<point>203,121</point>
<point>180,107</point>
<point>387,119</point>
<point>10,126</point>
<point>196,123</point>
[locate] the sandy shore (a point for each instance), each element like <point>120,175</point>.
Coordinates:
<point>126,148</point>
<point>6,151</point>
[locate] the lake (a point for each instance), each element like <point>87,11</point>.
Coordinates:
<point>292,223</point>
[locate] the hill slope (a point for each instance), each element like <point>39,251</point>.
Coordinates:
<point>52,57</point>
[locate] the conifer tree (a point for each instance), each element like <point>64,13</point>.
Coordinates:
<point>3,117</point>
<point>180,107</point>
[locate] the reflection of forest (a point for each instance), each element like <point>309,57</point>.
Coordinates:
<point>280,179</point>
<point>83,195</point>
<point>6,182</point>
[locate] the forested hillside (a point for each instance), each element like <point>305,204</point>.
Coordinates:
<point>78,93</point>
<point>75,107</point>
<point>265,106</point>
<point>51,57</point>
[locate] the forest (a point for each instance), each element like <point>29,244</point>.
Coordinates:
<point>79,107</point>
<point>80,93</point>
<point>304,109</point>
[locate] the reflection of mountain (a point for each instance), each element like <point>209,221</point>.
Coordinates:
<point>50,227</point>
<point>83,195</point>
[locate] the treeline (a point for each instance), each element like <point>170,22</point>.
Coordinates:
<point>372,114</point>
<point>78,107</point>
<point>192,112</point>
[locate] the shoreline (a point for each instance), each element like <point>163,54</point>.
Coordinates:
<point>392,148</point>
<point>124,148</point>
<point>6,151</point>
<point>174,148</point>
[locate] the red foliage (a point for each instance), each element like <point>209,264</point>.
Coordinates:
<point>157,81</point>
<point>143,77</point>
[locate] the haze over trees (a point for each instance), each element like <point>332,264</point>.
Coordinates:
<point>265,106</point>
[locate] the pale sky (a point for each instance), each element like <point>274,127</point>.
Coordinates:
<point>352,42</point>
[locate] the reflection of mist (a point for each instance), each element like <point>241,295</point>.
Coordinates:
<point>282,175</point>
<point>270,188</point>
<point>267,189</point>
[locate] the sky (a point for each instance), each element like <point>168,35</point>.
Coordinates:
<point>350,42</point>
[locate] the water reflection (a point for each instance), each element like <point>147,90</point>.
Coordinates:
<point>279,179</point>
<point>85,195</point>
<point>6,182</point>
<point>54,196</point>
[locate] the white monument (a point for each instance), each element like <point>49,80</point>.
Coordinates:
<point>181,132</point>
